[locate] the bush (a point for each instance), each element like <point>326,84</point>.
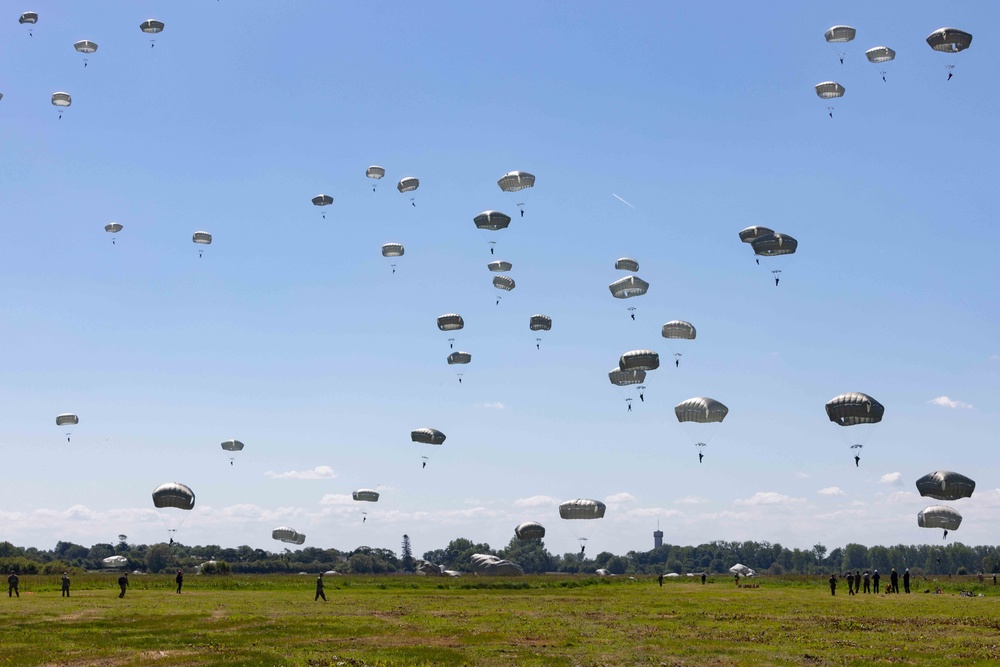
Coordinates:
<point>216,567</point>
<point>962,571</point>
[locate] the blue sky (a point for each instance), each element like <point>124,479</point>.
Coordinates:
<point>292,334</point>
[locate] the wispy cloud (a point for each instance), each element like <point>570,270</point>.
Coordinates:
<point>831,491</point>
<point>691,500</point>
<point>894,478</point>
<point>802,475</point>
<point>319,472</point>
<point>494,405</point>
<point>537,501</point>
<point>946,402</point>
<point>769,498</point>
<point>337,499</point>
<point>619,498</point>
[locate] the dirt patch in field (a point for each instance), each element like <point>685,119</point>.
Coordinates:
<point>141,658</point>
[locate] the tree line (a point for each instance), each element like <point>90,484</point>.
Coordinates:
<point>713,558</point>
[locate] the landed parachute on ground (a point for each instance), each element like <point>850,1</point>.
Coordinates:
<point>427,436</point>
<point>945,485</point>
<point>494,566</point>
<point>742,570</point>
<point>114,561</point>
<point>529,530</point>
<point>939,516</point>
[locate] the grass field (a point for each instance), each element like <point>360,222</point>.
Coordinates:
<point>540,620</point>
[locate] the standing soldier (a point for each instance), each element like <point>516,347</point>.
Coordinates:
<point>661,579</point>
<point>65,585</point>
<point>867,582</point>
<point>180,580</point>
<point>833,584</point>
<point>319,588</point>
<point>906,580</point>
<point>12,582</point>
<point>894,581</point>
<point>123,583</point>
<point>875,578</point>
<point>850,583</point>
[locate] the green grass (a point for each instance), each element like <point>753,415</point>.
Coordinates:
<point>542,620</point>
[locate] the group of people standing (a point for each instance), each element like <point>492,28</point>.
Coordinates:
<point>871,581</point>
<point>14,582</point>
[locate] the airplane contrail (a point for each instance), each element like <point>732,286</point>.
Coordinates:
<point>622,200</point>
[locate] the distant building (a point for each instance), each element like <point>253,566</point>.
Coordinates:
<point>657,538</point>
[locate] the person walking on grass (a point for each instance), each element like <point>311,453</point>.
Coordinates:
<point>180,580</point>
<point>833,584</point>
<point>866,577</point>
<point>661,579</point>
<point>319,588</point>
<point>875,578</point>
<point>894,581</point>
<point>12,582</point>
<point>123,583</point>
<point>850,583</point>
<point>906,580</point>
<point>65,585</point>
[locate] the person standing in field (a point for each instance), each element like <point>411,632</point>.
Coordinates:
<point>906,580</point>
<point>123,583</point>
<point>661,579</point>
<point>180,580</point>
<point>867,580</point>
<point>12,582</point>
<point>319,588</point>
<point>894,581</point>
<point>65,585</point>
<point>703,578</point>
<point>850,583</point>
<point>875,578</point>
<point>833,584</point>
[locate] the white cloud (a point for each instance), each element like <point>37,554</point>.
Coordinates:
<point>802,475</point>
<point>655,512</point>
<point>894,478</point>
<point>726,514</point>
<point>831,491</point>
<point>902,497</point>
<point>494,405</point>
<point>319,472</point>
<point>768,498</point>
<point>691,500</point>
<point>842,514</point>
<point>618,498</point>
<point>537,501</point>
<point>337,499</point>
<point>946,402</point>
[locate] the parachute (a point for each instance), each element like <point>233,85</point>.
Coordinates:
<point>505,283</point>
<point>742,570</point>
<point>880,54</point>
<point>949,40</point>
<point>621,378</point>
<point>840,34</point>
<point>459,358</point>
<point>513,181</point>
<point>393,250</point>
<point>232,446</point>
<point>854,408</point>
<point>700,410</point>
<point>639,360</point>
<point>540,323</point>
<point>939,516</point>
<point>529,530</point>
<point>499,266</point>
<point>288,535</point>
<point>628,287</point>
<point>830,89</point>
<point>776,247</point>
<point>494,566</point>
<point>945,485</point>
<point>113,228</point>
<point>366,495</point>
<point>86,47</point>
<point>322,200</point>
<point>408,184</point>
<point>626,264</point>
<point>450,322</point>
<point>492,220</point>
<point>678,330</point>
<point>61,101</point>
<point>749,234</point>
<point>427,436</point>
<point>151,27</point>
<point>582,508</point>
<point>69,420</point>
<point>29,19</point>
<point>376,172</point>
<point>114,561</point>
<point>176,496</point>
<point>202,238</point>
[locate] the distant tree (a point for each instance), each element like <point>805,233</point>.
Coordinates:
<point>158,557</point>
<point>68,551</point>
<point>820,552</point>
<point>855,557</point>
<point>406,562</point>
<point>531,555</point>
<point>220,567</point>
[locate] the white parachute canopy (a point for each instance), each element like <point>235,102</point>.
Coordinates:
<point>946,485</point>
<point>288,535</point>
<point>366,495</point>
<point>490,565</point>
<point>742,570</point>
<point>529,530</point>
<point>173,495</point>
<point>582,508</point>
<point>114,561</point>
